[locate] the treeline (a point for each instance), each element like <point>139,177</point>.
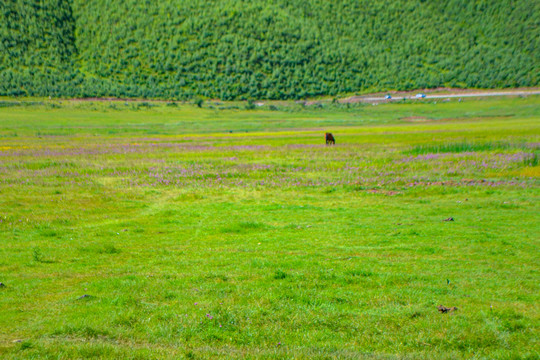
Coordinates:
<point>256,49</point>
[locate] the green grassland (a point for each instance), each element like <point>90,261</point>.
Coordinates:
<point>221,232</point>
<point>256,49</point>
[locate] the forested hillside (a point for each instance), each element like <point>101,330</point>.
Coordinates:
<point>282,49</point>
<point>37,47</point>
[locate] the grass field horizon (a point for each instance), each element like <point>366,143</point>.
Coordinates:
<point>230,232</point>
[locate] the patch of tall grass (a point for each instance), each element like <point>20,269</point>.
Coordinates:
<point>465,146</point>
<point>5,104</point>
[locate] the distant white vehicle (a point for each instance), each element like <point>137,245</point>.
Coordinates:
<point>420,96</point>
<point>388,97</point>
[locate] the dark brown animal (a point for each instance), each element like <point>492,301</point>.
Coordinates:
<point>444,309</point>
<point>330,139</point>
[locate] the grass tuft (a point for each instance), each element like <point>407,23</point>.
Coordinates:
<point>26,345</point>
<point>363,273</point>
<point>531,160</point>
<point>37,255</point>
<point>109,249</point>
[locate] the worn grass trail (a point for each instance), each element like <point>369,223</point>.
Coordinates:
<point>195,242</point>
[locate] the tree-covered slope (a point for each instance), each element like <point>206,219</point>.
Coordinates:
<point>259,49</point>
<point>37,46</point>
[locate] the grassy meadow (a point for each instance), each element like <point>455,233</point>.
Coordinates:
<point>222,232</point>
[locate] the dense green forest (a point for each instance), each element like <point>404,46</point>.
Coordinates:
<point>282,49</point>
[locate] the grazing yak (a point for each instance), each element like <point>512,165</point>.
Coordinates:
<point>330,139</point>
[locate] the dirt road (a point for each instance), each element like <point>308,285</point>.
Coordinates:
<point>412,96</point>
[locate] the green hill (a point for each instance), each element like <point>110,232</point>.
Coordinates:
<point>233,49</point>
